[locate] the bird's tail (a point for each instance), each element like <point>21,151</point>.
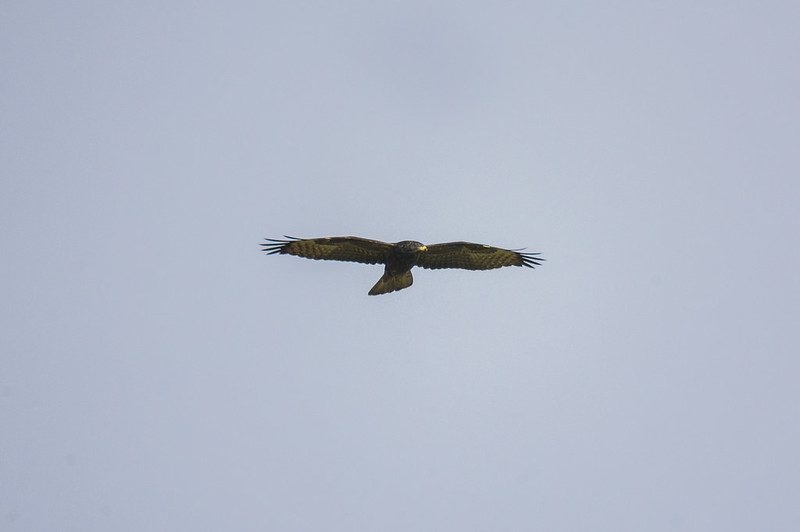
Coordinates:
<point>391,282</point>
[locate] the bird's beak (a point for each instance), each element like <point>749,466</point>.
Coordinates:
<point>423,248</point>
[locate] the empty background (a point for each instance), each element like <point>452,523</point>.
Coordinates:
<point>159,372</point>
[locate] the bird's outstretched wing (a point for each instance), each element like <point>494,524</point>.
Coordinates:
<point>469,256</point>
<point>346,248</point>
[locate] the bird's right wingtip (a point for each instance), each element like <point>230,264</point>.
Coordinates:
<point>272,246</point>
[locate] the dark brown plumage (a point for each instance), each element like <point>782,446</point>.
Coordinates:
<point>399,258</point>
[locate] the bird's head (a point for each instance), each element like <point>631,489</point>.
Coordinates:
<point>411,247</point>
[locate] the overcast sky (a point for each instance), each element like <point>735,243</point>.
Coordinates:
<point>160,373</point>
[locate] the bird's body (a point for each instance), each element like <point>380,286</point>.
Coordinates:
<point>397,275</point>
<point>400,257</point>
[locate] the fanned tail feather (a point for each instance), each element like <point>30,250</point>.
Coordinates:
<point>391,282</point>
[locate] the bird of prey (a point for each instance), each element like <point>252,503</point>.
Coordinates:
<point>400,257</point>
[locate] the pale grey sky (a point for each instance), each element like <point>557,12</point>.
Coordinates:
<point>160,373</point>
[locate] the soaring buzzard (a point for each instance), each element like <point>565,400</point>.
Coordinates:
<point>399,258</point>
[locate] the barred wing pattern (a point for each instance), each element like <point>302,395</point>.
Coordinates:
<point>469,256</point>
<point>346,248</point>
